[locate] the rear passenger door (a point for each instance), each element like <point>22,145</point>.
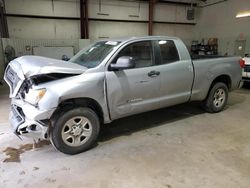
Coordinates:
<point>176,75</point>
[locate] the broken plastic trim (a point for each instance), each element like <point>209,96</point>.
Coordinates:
<point>42,78</point>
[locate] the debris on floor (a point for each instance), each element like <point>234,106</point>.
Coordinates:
<point>14,153</point>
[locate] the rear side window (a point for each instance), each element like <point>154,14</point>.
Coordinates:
<point>168,51</point>
<point>140,51</point>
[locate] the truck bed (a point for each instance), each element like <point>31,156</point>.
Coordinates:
<point>208,68</point>
<point>195,57</point>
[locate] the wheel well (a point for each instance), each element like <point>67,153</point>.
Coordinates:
<point>80,102</point>
<point>224,79</point>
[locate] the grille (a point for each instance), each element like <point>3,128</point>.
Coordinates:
<point>18,114</point>
<point>12,78</point>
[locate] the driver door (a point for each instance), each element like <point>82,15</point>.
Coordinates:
<point>132,91</point>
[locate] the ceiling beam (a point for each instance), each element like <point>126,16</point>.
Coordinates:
<point>94,19</point>
<point>177,3</point>
<point>214,3</point>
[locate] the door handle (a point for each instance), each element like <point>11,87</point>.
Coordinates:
<point>153,73</point>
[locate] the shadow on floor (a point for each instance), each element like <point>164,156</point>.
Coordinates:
<point>131,124</point>
<point>246,85</point>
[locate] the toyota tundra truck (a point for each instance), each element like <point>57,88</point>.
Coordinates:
<point>68,101</point>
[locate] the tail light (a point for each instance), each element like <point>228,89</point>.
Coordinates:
<point>242,63</point>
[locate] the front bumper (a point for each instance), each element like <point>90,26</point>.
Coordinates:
<point>27,120</point>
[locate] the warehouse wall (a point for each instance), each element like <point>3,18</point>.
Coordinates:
<point>2,64</point>
<point>26,33</point>
<point>30,28</point>
<point>113,9</point>
<point>219,21</point>
<point>25,46</point>
<point>43,28</point>
<point>43,7</point>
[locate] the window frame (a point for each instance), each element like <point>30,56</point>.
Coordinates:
<point>151,42</point>
<point>157,47</point>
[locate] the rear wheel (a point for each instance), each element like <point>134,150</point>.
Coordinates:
<point>217,98</point>
<point>75,130</point>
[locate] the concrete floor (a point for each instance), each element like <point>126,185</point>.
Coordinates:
<point>175,147</point>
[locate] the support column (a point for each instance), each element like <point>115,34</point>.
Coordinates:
<point>82,24</point>
<point>150,17</point>
<point>4,33</point>
<point>84,19</point>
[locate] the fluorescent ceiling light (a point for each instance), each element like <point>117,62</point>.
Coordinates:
<point>162,42</point>
<point>243,14</point>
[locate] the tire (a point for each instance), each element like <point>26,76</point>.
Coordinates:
<point>75,130</point>
<point>217,98</point>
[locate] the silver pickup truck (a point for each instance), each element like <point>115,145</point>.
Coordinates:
<point>67,102</point>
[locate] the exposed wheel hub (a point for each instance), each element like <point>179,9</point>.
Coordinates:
<point>219,97</point>
<point>76,131</point>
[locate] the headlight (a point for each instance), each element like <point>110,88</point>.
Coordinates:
<point>34,96</point>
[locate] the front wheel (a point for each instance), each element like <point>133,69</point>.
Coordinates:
<point>217,98</point>
<point>75,130</point>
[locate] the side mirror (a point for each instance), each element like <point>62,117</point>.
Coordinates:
<point>124,62</point>
<point>65,58</point>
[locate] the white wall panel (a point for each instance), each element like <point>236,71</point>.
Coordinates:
<point>54,52</point>
<point>31,28</point>
<point>219,21</point>
<point>56,29</point>
<point>33,7</point>
<point>67,29</point>
<point>43,28</point>
<point>67,8</point>
<point>171,13</point>
<point>122,10</point>
<point>101,29</point>
<point>20,45</point>
<point>185,32</point>
<point>119,10</point>
<point>43,7</point>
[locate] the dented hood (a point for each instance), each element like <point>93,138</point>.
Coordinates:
<point>36,65</point>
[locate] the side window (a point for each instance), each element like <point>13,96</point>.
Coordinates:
<point>168,51</point>
<point>140,51</point>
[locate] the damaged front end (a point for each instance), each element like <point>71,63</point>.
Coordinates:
<point>27,117</point>
<point>23,125</point>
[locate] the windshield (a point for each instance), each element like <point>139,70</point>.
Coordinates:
<point>92,56</point>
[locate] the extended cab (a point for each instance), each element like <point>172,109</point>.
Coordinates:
<point>67,102</point>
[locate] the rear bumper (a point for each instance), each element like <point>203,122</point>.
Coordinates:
<point>246,73</point>
<point>245,79</point>
<point>241,84</point>
<point>27,120</point>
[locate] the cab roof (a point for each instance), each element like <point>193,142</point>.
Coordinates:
<point>127,39</point>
